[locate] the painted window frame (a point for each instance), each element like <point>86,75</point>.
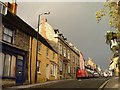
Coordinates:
<point>7,34</point>
<point>38,66</point>
<point>4,61</point>
<point>69,69</point>
<point>64,51</point>
<point>39,48</point>
<point>3,8</point>
<point>60,66</point>
<point>53,69</point>
<point>68,54</point>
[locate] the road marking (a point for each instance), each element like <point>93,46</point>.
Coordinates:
<point>101,87</point>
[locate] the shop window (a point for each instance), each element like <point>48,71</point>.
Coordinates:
<point>13,66</point>
<point>9,63</point>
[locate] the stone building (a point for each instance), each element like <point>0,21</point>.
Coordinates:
<point>68,55</point>
<point>19,43</point>
<point>15,46</point>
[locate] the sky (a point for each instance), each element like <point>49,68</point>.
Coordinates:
<point>77,22</point>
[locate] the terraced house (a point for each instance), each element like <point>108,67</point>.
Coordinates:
<point>19,51</point>
<point>68,55</point>
<point>15,45</point>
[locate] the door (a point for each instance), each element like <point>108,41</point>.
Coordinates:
<point>19,70</point>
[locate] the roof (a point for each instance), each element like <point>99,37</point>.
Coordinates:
<point>23,26</point>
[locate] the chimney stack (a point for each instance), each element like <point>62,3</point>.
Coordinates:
<point>12,7</point>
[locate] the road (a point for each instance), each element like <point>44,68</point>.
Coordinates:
<point>93,83</point>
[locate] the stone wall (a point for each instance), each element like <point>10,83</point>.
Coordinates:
<point>21,40</point>
<point>7,83</point>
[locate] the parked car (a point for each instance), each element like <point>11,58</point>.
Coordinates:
<point>105,74</point>
<point>81,74</point>
<point>96,75</point>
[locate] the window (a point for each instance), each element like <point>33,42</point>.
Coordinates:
<point>74,70</point>
<point>64,52</point>
<point>38,66</point>
<point>8,35</point>
<point>53,55</point>
<point>53,69</point>
<point>60,49</point>
<point>68,68</point>
<point>3,9</point>
<point>9,63</point>
<point>13,64</point>
<point>47,52</point>
<point>73,59</point>
<point>68,54</point>
<point>39,48</point>
<point>60,65</point>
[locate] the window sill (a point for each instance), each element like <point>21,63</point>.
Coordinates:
<point>52,75</point>
<point>47,57</point>
<point>39,73</point>
<point>39,53</point>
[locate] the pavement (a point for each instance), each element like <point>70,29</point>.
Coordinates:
<point>112,83</point>
<point>34,85</point>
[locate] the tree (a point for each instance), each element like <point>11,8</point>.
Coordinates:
<point>112,11</point>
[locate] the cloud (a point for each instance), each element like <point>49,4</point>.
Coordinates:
<point>76,21</point>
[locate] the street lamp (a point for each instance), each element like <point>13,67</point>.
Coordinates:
<point>45,13</point>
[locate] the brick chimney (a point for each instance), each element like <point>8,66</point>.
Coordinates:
<point>12,7</point>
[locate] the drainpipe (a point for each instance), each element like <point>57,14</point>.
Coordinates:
<point>30,59</point>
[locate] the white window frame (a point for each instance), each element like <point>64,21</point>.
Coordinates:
<point>68,54</point>
<point>8,34</point>
<point>9,66</point>
<point>53,69</point>
<point>60,65</point>
<point>64,51</point>
<point>3,11</point>
<point>38,66</point>
<point>68,68</point>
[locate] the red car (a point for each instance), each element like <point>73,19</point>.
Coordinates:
<point>80,74</point>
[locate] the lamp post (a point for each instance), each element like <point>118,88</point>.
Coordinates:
<point>45,13</point>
